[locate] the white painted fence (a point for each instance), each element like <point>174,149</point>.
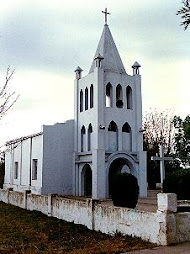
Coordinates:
<point>163,227</point>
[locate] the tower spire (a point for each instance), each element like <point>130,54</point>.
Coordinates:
<point>106,13</point>
<point>108,50</point>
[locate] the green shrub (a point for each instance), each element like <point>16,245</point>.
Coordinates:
<point>125,190</point>
<point>178,182</point>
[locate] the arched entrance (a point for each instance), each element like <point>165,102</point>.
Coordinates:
<point>119,165</point>
<point>87,180</point>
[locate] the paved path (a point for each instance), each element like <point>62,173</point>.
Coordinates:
<point>148,204</point>
<point>182,248</point>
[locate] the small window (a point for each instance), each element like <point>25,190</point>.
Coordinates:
<point>16,170</point>
<point>34,169</point>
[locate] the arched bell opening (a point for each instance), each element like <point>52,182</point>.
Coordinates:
<point>109,95</point>
<point>119,96</point>
<point>129,97</point>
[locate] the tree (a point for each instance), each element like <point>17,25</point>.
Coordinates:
<point>185,12</point>
<point>7,97</point>
<point>182,139</point>
<point>159,129</point>
<point>7,100</point>
<point>178,182</point>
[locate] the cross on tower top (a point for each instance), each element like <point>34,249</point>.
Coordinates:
<point>106,15</point>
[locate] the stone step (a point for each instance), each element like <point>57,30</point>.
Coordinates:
<point>153,193</point>
<point>147,201</point>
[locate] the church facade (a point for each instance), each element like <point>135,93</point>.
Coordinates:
<point>81,156</point>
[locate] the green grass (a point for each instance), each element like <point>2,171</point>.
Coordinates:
<point>23,231</point>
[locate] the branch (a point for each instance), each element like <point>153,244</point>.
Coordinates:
<point>186,11</point>
<point>9,75</point>
<point>7,98</point>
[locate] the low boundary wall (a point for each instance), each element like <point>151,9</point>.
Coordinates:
<point>163,227</point>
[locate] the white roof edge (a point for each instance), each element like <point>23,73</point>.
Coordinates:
<point>14,141</point>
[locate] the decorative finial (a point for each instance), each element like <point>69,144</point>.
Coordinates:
<point>136,67</point>
<point>106,15</point>
<point>78,72</point>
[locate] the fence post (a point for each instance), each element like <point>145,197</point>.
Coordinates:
<point>167,207</point>
<point>26,192</point>
<point>50,198</point>
<point>94,204</point>
<point>8,191</point>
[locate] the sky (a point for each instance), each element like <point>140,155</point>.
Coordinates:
<point>45,40</point>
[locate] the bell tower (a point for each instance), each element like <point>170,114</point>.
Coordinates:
<point>108,122</point>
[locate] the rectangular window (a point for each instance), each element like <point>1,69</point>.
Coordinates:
<point>16,170</point>
<point>34,169</point>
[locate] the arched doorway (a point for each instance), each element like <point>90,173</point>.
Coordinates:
<point>119,165</point>
<point>87,180</point>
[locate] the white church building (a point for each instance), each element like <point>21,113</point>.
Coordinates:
<point>81,156</point>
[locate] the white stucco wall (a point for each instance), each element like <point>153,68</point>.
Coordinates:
<point>4,195</point>
<point>79,212</point>
<point>183,227</point>
<point>37,203</point>
<point>37,153</point>
<point>126,141</point>
<point>16,198</point>
<point>87,116</point>
<point>58,151</point>
<point>17,157</point>
<point>112,141</point>
<point>24,151</point>
<point>166,226</point>
<point>25,167</point>
<point>8,164</point>
<point>109,220</point>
